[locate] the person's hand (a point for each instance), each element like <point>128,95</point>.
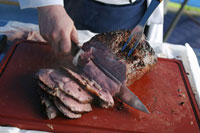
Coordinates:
<point>57,28</point>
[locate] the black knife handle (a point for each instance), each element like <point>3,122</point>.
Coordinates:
<point>74,49</point>
<point>3,42</point>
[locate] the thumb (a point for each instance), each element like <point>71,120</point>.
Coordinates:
<point>74,35</point>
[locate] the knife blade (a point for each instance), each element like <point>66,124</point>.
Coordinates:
<point>125,94</point>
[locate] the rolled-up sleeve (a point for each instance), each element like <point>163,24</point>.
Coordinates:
<point>38,3</point>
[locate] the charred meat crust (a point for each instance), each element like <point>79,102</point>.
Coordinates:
<point>140,62</point>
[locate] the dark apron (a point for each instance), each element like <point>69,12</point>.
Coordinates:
<point>98,17</point>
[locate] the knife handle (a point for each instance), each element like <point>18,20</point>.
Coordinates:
<point>74,49</point>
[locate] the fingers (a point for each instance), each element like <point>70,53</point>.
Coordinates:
<point>54,39</point>
<point>61,43</point>
<point>65,45</point>
<point>74,35</point>
<point>60,40</point>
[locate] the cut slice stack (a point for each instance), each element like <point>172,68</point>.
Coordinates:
<point>70,93</point>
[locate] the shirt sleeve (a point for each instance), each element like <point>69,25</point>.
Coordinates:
<point>39,3</point>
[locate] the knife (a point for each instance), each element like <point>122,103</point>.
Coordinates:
<point>125,94</point>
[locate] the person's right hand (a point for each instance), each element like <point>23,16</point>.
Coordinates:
<point>57,28</point>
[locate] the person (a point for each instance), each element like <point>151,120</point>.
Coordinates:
<point>59,20</point>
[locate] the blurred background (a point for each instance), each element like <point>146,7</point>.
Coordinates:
<point>187,27</point>
<point>181,20</point>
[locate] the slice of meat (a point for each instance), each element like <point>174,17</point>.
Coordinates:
<point>43,76</point>
<point>70,87</point>
<point>56,79</point>
<point>63,109</point>
<point>74,105</point>
<point>104,56</point>
<point>50,109</point>
<point>46,89</point>
<point>128,69</point>
<point>90,85</point>
<point>68,101</point>
<point>93,72</point>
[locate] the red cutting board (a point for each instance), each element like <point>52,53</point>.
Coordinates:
<point>165,91</point>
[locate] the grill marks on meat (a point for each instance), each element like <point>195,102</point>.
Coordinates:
<point>90,85</point>
<point>55,79</point>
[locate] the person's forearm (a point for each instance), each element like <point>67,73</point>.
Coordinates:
<point>38,3</point>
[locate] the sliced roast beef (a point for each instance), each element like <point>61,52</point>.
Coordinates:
<point>94,88</point>
<point>57,80</point>
<point>50,110</point>
<point>74,105</point>
<point>68,101</point>
<point>93,72</point>
<point>46,89</point>
<point>62,108</point>
<point>43,76</point>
